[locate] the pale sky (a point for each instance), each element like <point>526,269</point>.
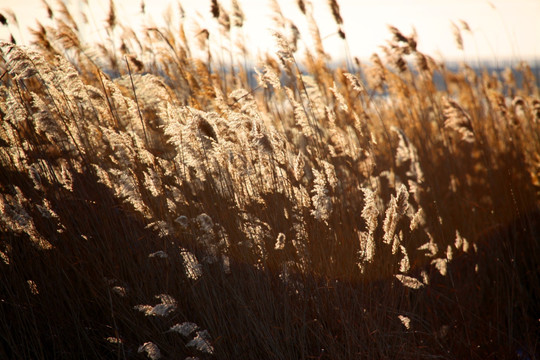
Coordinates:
<point>501,29</point>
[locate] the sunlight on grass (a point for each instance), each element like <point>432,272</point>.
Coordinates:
<point>161,204</point>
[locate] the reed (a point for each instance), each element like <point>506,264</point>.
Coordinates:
<point>158,204</point>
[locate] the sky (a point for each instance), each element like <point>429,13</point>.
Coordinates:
<point>506,30</point>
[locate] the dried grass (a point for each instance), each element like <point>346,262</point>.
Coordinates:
<point>284,218</point>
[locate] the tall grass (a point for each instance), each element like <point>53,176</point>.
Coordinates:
<point>157,204</point>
